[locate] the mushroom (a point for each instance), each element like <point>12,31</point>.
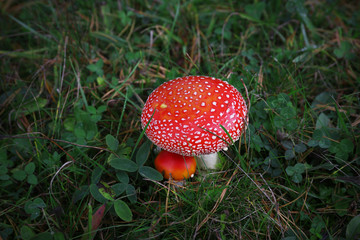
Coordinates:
<point>194,115</point>
<point>177,166</point>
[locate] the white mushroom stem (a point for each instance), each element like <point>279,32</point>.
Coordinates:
<point>208,161</point>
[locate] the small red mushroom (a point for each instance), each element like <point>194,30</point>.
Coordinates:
<point>177,166</point>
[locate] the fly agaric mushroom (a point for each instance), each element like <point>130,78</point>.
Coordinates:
<point>194,115</point>
<point>178,166</point>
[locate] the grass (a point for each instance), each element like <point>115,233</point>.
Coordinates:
<point>75,164</point>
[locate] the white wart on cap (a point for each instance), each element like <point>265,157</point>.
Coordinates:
<point>187,114</point>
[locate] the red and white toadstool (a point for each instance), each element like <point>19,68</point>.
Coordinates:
<point>177,166</point>
<point>194,115</point>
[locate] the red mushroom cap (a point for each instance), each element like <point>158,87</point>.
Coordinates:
<point>187,114</point>
<point>177,166</point>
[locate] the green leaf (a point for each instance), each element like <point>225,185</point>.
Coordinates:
<point>69,124</point>
<point>3,155</point>
<point>289,154</point>
<point>341,156</point>
<point>131,193</point>
<point>297,178</point>
<point>30,168</point>
<point>59,236</point>
<point>125,17</point>
<point>123,210</point>
<point>320,135</point>
<point>96,175</point>
<point>347,145</point>
<point>24,146</point>
<point>56,156</point>
<point>91,109</point>
<point>255,10</point>
<point>26,232</point>
<point>317,225</point>
<point>119,188</point>
<point>290,170</point>
<point>288,112</point>
<point>291,124</point>
<point>259,110</point>
<point>296,171</point>
<point>90,134</point>
<point>150,173</point>
<point>287,144</point>
<point>79,132</point>
<point>132,57</point>
<point>3,170</point>
<point>102,108</point>
<point>35,214</point>
<point>38,202</point>
<point>95,118</point>
<point>81,141</point>
<point>322,121</point>
<point>33,106</point>
<point>276,172</point>
<point>353,228</point>
<point>335,147</point>
<point>30,207</point>
<point>106,191</point>
<point>324,98</point>
<point>275,163</point>
<point>341,204</point>
<point>18,174</point>
<point>295,6</point>
<point>32,179</point>
<point>124,164</point>
<point>80,193</point>
<point>4,177</point>
<point>300,148</point>
<point>94,190</point>
<point>143,153</point>
<point>112,142</point>
<point>97,67</point>
<point>256,142</point>
<point>122,176</point>
<point>343,50</point>
<point>325,192</point>
<point>324,143</point>
<point>299,167</point>
<point>279,122</point>
<point>312,143</point>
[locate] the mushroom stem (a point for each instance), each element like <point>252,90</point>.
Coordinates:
<point>208,161</point>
